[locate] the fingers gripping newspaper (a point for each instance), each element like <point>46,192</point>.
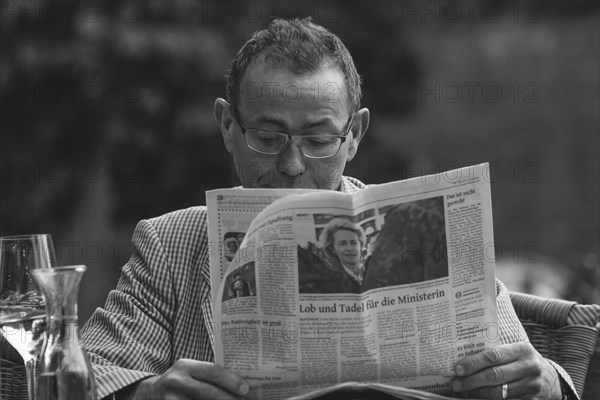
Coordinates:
<point>388,287</point>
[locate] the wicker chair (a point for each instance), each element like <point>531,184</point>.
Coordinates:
<point>12,373</point>
<point>563,331</point>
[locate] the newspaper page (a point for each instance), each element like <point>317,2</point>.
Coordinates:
<point>230,212</point>
<point>392,284</point>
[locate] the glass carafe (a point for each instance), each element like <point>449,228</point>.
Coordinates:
<point>65,370</point>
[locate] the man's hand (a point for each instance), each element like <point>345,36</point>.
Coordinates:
<point>527,373</point>
<point>190,379</point>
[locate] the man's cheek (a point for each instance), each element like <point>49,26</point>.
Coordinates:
<point>252,170</point>
<point>268,171</point>
<point>328,173</point>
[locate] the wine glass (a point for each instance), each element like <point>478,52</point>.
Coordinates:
<point>22,307</point>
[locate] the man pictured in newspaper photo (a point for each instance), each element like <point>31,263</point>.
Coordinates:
<point>232,241</point>
<point>239,287</point>
<point>152,339</point>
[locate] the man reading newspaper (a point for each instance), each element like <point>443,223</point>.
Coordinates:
<point>292,119</point>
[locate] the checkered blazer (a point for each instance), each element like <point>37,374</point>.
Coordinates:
<point>161,308</point>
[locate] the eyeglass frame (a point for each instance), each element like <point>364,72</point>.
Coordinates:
<point>343,138</point>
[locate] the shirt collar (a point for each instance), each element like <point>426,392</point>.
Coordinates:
<point>357,278</point>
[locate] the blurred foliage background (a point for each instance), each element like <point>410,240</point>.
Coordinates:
<point>106,118</point>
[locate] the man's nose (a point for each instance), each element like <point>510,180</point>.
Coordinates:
<point>291,160</point>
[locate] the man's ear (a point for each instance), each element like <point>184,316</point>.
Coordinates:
<point>223,115</point>
<point>360,124</point>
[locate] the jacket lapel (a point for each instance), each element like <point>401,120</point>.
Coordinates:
<point>206,305</point>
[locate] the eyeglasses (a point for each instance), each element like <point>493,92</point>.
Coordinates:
<point>313,146</point>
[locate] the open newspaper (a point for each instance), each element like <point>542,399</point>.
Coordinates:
<point>387,287</point>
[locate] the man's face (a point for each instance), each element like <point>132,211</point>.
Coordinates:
<point>278,100</point>
<point>347,246</point>
<point>237,283</point>
<point>231,245</point>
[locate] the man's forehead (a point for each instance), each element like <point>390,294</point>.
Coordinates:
<point>264,81</point>
<point>259,69</point>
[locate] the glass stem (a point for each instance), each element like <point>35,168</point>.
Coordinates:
<point>30,370</point>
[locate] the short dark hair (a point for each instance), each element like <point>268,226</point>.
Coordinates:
<point>300,46</point>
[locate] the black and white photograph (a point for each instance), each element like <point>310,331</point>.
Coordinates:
<point>409,247</point>
<point>241,282</point>
<point>406,244</point>
<point>118,116</point>
<point>334,263</point>
<point>231,244</point>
